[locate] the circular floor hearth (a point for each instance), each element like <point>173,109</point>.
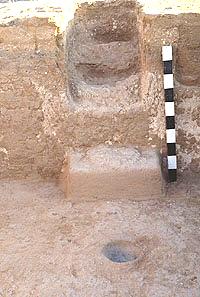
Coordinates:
<point>119,251</point>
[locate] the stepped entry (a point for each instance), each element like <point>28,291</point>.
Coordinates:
<point>94,84</point>
<point>104,64</point>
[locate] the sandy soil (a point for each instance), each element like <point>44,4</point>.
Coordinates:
<point>51,247</point>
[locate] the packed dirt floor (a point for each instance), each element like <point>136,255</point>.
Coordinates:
<point>51,247</point>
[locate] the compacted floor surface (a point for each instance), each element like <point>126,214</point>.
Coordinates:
<point>51,247</point>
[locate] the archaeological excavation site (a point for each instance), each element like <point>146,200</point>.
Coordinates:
<point>99,148</point>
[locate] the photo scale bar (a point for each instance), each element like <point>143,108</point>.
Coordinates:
<point>167,57</point>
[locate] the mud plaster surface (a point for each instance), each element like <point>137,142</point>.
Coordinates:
<point>51,247</point>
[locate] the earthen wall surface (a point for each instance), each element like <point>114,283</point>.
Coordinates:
<point>100,82</point>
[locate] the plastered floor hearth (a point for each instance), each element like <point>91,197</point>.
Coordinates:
<point>51,247</point>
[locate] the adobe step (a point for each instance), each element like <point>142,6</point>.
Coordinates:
<point>112,173</point>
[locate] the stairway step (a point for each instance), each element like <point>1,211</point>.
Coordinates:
<point>112,173</point>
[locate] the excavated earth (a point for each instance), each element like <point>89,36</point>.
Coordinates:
<point>97,82</point>
<point>51,247</point>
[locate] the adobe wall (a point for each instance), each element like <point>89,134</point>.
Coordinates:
<point>100,82</point>
<point>182,32</point>
<point>31,84</point>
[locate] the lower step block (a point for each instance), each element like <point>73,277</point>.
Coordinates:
<point>112,173</point>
